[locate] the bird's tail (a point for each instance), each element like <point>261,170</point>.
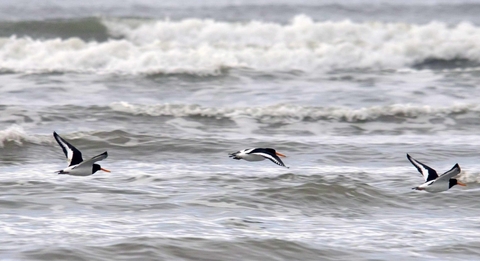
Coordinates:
<point>234,155</point>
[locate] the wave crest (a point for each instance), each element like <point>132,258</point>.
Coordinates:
<point>206,47</point>
<point>286,113</point>
<point>17,135</point>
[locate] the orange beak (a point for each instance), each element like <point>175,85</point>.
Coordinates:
<point>461,184</point>
<point>280,154</point>
<point>106,170</point>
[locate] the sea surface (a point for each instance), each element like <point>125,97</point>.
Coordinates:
<point>169,88</point>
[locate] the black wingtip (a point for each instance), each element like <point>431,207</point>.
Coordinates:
<point>55,135</point>
<point>411,159</point>
<point>457,167</point>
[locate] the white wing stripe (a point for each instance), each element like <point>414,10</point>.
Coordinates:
<point>69,151</point>
<point>424,171</point>
<point>269,157</point>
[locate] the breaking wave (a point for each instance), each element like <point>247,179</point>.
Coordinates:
<point>16,134</point>
<point>206,47</point>
<point>286,113</point>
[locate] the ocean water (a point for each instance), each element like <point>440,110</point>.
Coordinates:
<point>170,88</point>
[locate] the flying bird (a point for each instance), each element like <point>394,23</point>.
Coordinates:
<point>433,182</point>
<point>76,165</point>
<point>259,154</point>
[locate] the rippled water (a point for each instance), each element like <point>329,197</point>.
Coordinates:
<point>345,90</point>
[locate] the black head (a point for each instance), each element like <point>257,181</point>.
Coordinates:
<point>454,182</point>
<point>96,168</point>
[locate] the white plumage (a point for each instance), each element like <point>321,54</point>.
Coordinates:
<point>259,154</point>
<point>76,165</point>
<point>434,183</point>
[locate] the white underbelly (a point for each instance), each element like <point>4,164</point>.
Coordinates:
<point>79,171</point>
<point>437,187</point>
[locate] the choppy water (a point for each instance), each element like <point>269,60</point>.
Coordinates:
<point>345,90</point>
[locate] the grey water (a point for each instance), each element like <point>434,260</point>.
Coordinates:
<point>169,88</point>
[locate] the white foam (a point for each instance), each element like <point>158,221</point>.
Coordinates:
<point>17,135</point>
<point>285,113</point>
<point>197,46</point>
<point>469,177</point>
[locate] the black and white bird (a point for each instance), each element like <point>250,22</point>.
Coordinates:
<point>434,183</point>
<point>259,154</point>
<point>76,165</point>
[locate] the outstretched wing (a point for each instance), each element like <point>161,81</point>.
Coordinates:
<point>427,172</point>
<point>269,154</point>
<point>93,160</point>
<point>73,155</point>
<point>451,173</point>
